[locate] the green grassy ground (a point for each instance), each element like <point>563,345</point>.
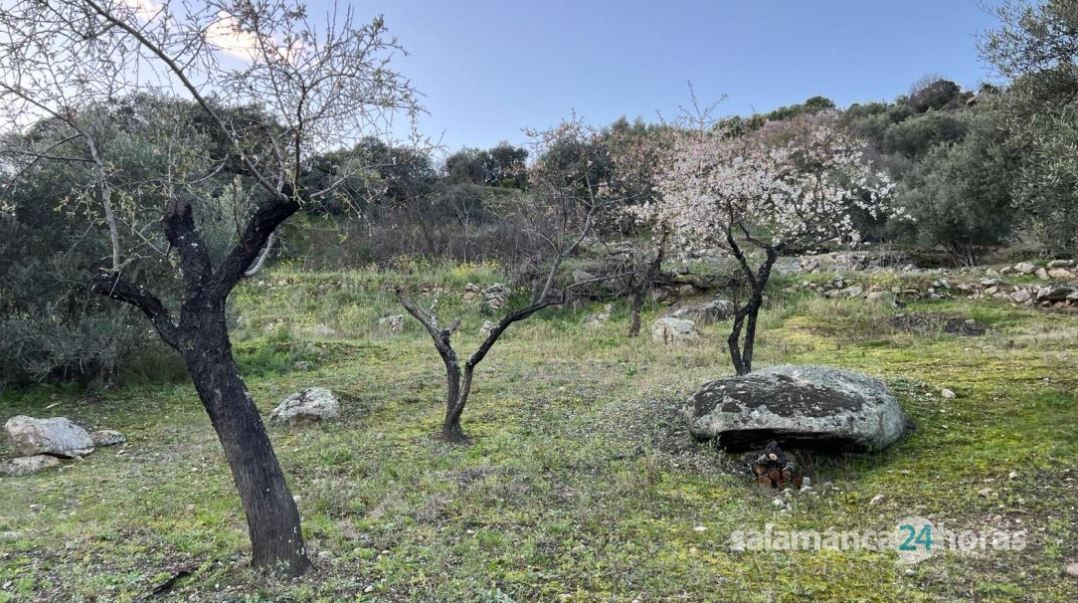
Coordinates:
<point>580,485</point>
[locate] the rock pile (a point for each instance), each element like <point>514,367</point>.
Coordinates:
<point>774,469</point>
<point>494,297</point>
<point>1055,294</point>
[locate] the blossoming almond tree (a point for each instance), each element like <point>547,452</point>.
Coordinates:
<point>783,189</point>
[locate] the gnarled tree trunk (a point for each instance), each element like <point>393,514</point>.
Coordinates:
<point>273,520</point>
<point>201,337</point>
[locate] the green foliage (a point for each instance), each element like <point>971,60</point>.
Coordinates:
<point>959,194</point>
<point>915,136</point>
<point>1048,186</point>
<point>935,94</point>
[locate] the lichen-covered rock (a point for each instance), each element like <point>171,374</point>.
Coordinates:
<point>28,465</point>
<point>57,436</point>
<point>308,405</point>
<point>107,437</point>
<point>716,310</point>
<point>799,407</point>
<point>673,331</point>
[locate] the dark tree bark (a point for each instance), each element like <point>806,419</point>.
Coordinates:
<point>741,345</point>
<point>201,338</point>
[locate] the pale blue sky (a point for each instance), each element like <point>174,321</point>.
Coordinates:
<point>489,68</point>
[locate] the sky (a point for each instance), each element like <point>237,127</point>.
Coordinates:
<point>490,68</point>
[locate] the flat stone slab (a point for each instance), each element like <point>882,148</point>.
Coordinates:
<point>807,407</point>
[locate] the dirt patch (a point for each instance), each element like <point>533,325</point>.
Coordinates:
<point>934,324</point>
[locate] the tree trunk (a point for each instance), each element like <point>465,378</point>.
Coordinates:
<point>272,517</point>
<point>741,350</point>
<point>454,402</point>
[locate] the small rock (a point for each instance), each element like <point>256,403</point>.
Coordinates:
<point>1012,475</point>
<point>852,292</point>
<point>879,498</point>
<point>1025,268</point>
<point>984,492</point>
<point>699,529</point>
<point>1061,274</point>
<point>302,365</point>
<point>472,292</point>
<point>308,405</point>
<point>28,465</point>
<point>946,393</point>
<point>1072,569</point>
<point>806,483</point>
<point>673,331</point>
<point>778,502</point>
<point>1042,274</point>
<point>1021,296</point>
<point>484,331</point>
<point>107,437</point>
<point>1061,264</point>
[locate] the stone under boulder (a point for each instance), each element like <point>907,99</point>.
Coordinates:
<point>307,406</point>
<point>57,436</point>
<point>806,407</point>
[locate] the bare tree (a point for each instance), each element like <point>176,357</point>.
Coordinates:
<point>320,85</point>
<point>559,211</point>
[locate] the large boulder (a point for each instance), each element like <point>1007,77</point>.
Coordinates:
<point>57,436</point>
<point>673,331</point>
<point>307,406</point>
<point>811,407</point>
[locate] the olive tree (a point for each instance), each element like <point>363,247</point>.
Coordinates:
<point>319,84</point>
<point>756,196</point>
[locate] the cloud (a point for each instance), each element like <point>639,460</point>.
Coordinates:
<point>226,35</point>
<point>145,9</point>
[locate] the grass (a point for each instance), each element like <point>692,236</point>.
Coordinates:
<point>581,484</point>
